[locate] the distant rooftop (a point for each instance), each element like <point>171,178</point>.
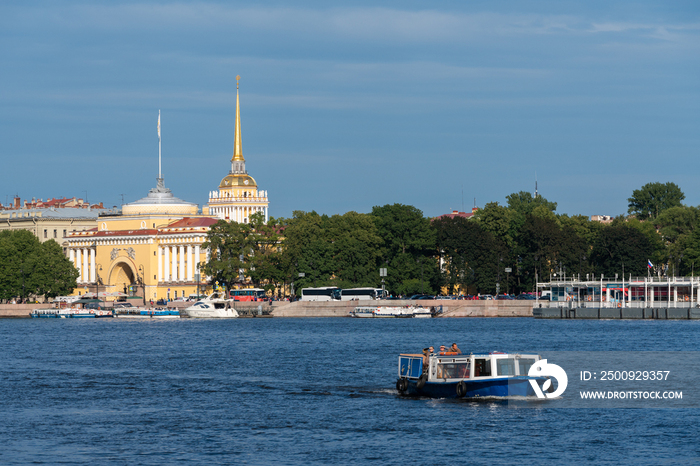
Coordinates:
<point>51,203</point>
<point>456,213</point>
<point>55,213</point>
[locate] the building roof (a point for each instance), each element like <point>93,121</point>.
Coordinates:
<point>185,225</point>
<point>241,180</point>
<point>456,213</point>
<point>160,200</point>
<point>193,222</point>
<point>52,214</point>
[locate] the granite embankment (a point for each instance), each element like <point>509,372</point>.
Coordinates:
<point>450,308</point>
<point>19,310</point>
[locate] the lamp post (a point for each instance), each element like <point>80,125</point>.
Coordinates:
<point>140,281</point>
<point>421,275</point>
<point>97,280</point>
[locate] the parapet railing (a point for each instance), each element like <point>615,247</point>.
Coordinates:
<point>615,304</point>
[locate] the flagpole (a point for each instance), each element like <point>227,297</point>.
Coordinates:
<point>160,173</point>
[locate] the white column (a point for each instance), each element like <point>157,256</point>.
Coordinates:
<point>181,268</point>
<point>190,275</point>
<point>196,259</point>
<point>85,265</point>
<point>92,265</point>
<point>71,254</point>
<point>267,216</point>
<point>79,265</point>
<point>160,263</point>
<point>166,263</point>
<point>174,265</point>
<point>208,256</point>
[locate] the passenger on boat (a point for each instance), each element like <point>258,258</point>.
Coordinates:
<point>426,354</point>
<point>454,349</point>
<point>443,348</point>
<point>432,350</point>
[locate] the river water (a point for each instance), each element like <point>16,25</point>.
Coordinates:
<point>309,391</point>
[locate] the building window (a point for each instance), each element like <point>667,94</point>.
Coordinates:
<point>55,233</point>
<point>46,233</point>
<point>64,233</point>
<point>175,294</point>
<point>154,253</point>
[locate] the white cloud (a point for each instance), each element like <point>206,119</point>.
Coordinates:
<point>357,24</point>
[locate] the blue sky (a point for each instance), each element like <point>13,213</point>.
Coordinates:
<point>350,106</point>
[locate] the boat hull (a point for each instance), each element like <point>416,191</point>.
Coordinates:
<point>502,387</point>
<point>211,314</point>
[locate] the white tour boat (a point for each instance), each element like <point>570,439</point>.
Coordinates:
<point>213,306</point>
<point>390,311</point>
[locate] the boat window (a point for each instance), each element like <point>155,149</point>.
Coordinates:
<point>505,366</point>
<point>482,368</point>
<point>524,365</point>
<point>457,370</point>
<point>219,305</point>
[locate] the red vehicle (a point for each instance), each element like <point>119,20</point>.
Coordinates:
<point>247,294</point>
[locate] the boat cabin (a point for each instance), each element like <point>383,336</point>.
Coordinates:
<point>450,367</point>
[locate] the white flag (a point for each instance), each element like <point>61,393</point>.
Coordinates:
<point>158,123</point>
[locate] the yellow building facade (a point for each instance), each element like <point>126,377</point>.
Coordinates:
<point>238,196</point>
<point>153,250</point>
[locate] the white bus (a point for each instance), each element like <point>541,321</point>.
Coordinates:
<point>352,294</point>
<point>324,293</point>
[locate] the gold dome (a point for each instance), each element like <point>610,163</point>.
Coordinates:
<point>238,180</point>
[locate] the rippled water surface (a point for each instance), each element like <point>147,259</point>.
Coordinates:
<point>308,391</point>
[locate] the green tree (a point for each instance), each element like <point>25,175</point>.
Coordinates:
<point>525,204</point>
<point>653,198</point>
<point>263,263</point>
<point>469,255</point>
<point>546,248</point>
<point>28,267</point>
<point>341,250</point>
<point>355,249</point>
<point>500,221</point>
<point>619,246</point>
<point>307,250</point>
<point>229,243</point>
<point>408,249</point>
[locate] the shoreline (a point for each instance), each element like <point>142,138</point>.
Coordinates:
<point>451,308</point>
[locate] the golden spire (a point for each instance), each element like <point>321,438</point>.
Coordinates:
<point>237,151</point>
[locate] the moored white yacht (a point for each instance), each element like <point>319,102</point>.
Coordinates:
<point>213,306</point>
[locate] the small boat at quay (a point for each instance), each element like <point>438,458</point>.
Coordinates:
<point>214,306</point>
<point>140,313</point>
<point>476,375</point>
<point>390,311</point>
<point>70,313</point>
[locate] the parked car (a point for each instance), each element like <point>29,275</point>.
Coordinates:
<point>485,297</point>
<point>122,305</point>
<point>526,296</point>
<point>505,297</point>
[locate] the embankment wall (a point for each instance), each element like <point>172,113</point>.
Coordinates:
<point>342,308</point>
<point>451,308</point>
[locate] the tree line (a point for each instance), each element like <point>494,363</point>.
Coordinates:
<point>31,268</point>
<point>421,255</point>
